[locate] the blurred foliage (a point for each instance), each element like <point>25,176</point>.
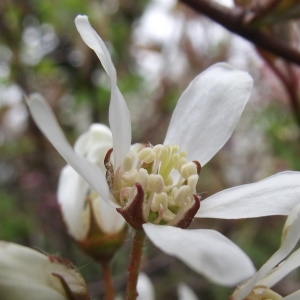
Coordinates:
<point>41,51</point>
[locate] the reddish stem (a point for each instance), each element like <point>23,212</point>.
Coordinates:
<point>289,84</point>
<point>135,263</point>
<point>107,278</point>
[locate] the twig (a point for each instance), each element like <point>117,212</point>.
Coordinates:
<point>232,19</point>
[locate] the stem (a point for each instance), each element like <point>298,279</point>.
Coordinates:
<point>289,84</point>
<point>134,266</point>
<point>107,278</point>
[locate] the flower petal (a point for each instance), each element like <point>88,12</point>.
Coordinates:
<point>108,218</point>
<point>205,251</point>
<point>119,117</point>
<point>71,194</point>
<point>186,293</point>
<point>287,266</point>
<point>275,195</point>
<point>293,296</point>
<point>208,111</point>
<point>98,136</point>
<point>47,123</point>
<point>29,274</point>
<point>290,237</point>
<point>145,288</point>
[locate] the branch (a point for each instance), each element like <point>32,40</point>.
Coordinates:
<point>233,20</point>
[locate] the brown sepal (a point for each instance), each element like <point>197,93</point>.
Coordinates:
<point>69,293</point>
<point>109,175</point>
<point>198,165</point>
<point>189,215</point>
<point>133,213</point>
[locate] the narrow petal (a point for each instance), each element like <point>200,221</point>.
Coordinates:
<point>186,293</point>
<point>205,251</point>
<point>71,194</point>
<point>119,117</point>
<point>208,111</point>
<point>275,195</point>
<point>290,238</point>
<point>287,266</point>
<point>47,123</point>
<point>145,288</point>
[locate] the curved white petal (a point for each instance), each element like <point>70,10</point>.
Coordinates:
<point>28,274</point>
<point>119,117</point>
<point>71,194</point>
<point>208,111</point>
<point>205,251</point>
<point>145,288</point>
<point>97,135</point>
<point>290,237</point>
<point>108,218</point>
<point>275,195</point>
<point>46,121</point>
<point>73,190</point>
<point>287,266</point>
<point>186,293</point>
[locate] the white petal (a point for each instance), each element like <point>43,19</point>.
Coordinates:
<point>275,195</point>
<point>145,288</point>
<point>287,266</point>
<point>119,117</point>
<point>73,190</point>
<point>71,194</point>
<point>290,238</point>
<point>293,296</point>
<point>98,135</point>
<point>46,121</point>
<point>208,111</point>
<point>186,293</point>
<point>24,270</point>
<point>205,251</point>
<point>108,218</point>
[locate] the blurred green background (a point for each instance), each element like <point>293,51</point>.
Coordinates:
<point>157,48</point>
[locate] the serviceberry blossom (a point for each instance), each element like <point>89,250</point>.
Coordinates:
<point>154,186</point>
<point>74,191</point>
<point>280,264</point>
<point>95,225</point>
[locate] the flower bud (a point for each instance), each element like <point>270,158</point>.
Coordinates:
<point>29,274</point>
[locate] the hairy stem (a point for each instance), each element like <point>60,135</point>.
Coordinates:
<point>135,263</point>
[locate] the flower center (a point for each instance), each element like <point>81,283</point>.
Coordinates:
<point>168,181</point>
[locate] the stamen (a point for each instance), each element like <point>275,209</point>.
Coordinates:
<point>166,178</point>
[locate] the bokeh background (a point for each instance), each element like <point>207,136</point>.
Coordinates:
<point>157,48</point>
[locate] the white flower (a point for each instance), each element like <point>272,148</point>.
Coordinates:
<point>28,274</point>
<point>73,191</point>
<point>204,119</point>
<point>278,266</point>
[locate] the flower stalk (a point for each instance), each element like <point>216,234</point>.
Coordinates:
<point>107,279</point>
<point>135,263</point>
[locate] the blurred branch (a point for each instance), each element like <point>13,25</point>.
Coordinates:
<point>289,82</point>
<point>233,19</point>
